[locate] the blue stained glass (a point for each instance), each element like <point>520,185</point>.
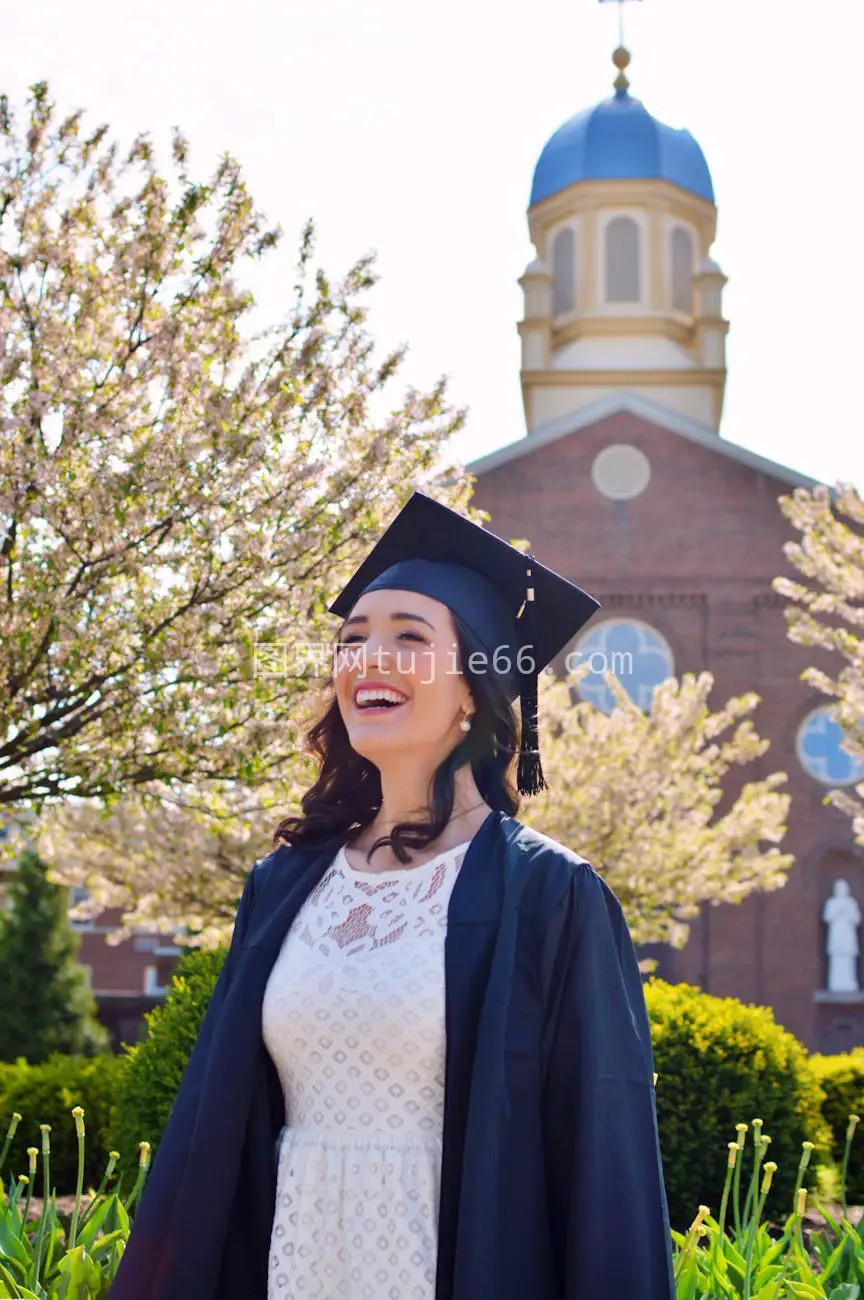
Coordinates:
<point>821,753</point>
<point>633,652</point>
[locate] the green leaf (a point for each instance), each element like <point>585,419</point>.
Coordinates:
<point>87,1235</point>
<point>80,1277</point>
<point>12,1248</point>
<point>770,1291</point>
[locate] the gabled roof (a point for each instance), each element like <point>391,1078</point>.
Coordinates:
<point>624,400</point>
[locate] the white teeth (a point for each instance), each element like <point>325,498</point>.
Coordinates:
<point>369,696</point>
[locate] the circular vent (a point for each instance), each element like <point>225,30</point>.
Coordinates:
<point>621,472</point>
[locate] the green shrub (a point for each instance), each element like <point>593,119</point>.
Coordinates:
<point>842,1080</point>
<point>155,1066</point>
<point>46,1094</point>
<point>719,1063</point>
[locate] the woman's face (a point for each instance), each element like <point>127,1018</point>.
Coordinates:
<point>398,681</point>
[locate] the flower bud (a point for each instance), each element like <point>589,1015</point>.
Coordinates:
<point>33,1153</point>
<point>768,1174</point>
<point>733,1154</point>
<point>145,1154</point>
<point>78,1112</point>
<point>45,1129</point>
<point>802,1201</point>
<point>697,1222</point>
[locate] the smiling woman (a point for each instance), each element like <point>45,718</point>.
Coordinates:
<point>427,1068</point>
<point>414,739</point>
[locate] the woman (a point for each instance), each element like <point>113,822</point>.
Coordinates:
<point>426,1070</point>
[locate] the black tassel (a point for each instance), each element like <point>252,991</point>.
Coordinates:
<point>530,778</point>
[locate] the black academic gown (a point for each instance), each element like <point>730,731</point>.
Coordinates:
<point>551,1177</point>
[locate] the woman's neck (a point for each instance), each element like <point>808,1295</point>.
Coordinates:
<point>401,803</point>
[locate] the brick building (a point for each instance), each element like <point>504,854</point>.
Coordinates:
<point>625,484</point>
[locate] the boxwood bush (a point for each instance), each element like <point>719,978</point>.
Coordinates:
<point>721,1062</point>
<point>154,1067</point>
<point>842,1080</point>
<point>46,1094</point>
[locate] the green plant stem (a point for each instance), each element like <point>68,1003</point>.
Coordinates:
<point>845,1169</point>
<point>751,1242</point>
<point>43,1217</point>
<point>736,1193</point>
<point>753,1189</point>
<point>137,1189</point>
<point>94,1200</point>
<point>10,1133</point>
<point>724,1200</point>
<point>73,1231</point>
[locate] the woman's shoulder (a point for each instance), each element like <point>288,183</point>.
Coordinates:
<point>551,870</point>
<point>281,860</point>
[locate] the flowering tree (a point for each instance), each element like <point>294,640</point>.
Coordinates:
<point>174,490</point>
<point>171,860</point>
<point>637,794</point>
<point>826,609</point>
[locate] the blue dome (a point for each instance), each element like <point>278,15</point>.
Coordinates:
<point>620,140</point>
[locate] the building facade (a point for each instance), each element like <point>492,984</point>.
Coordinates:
<point>625,484</point>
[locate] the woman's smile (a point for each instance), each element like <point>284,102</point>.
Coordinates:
<point>376,699</point>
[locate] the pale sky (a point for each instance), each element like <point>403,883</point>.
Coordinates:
<point>413,129</point>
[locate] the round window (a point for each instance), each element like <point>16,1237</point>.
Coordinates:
<point>621,472</point>
<point>633,652</point>
<point>819,745</point>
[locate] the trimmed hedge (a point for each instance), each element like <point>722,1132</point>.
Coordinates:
<point>154,1067</point>
<point>719,1063</point>
<point>842,1080</point>
<point>46,1094</point>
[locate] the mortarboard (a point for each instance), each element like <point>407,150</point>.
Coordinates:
<point>509,601</point>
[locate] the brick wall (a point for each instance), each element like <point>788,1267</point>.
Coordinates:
<point>694,556</point>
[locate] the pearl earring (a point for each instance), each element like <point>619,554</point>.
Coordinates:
<point>465,724</point>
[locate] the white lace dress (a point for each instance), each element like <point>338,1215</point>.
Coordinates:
<point>353,1017</point>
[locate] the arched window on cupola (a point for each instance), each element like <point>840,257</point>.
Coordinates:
<point>564,272</point>
<point>622,260</point>
<point>681,254</point>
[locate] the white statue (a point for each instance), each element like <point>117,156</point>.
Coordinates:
<point>842,915</point>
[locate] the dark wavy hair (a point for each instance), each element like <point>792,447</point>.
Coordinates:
<point>347,793</point>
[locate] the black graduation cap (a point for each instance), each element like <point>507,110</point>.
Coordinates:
<point>509,601</point>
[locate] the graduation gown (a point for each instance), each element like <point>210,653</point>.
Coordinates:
<point>551,1176</point>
